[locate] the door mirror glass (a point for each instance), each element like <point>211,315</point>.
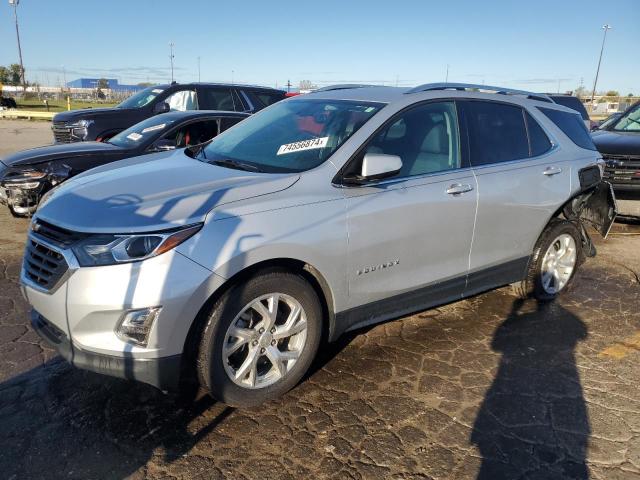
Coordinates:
<point>162,107</point>
<point>376,166</point>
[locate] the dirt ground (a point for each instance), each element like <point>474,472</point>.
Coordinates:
<point>488,388</point>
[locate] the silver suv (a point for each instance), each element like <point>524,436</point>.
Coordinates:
<point>233,262</point>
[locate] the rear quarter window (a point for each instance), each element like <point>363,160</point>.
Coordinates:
<point>573,103</point>
<point>571,125</point>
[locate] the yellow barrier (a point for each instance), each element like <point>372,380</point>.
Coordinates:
<point>33,114</point>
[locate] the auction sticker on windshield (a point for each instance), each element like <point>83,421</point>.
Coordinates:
<point>154,128</point>
<point>134,136</point>
<point>303,145</point>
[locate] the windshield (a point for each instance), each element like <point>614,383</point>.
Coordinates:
<point>141,132</point>
<point>629,122</point>
<point>141,98</point>
<point>290,136</point>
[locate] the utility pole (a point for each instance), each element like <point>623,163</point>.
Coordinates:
<point>171,56</point>
<point>198,69</point>
<point>288,86</point>
<point>14,4</point>
<point>446,78</point>
<point>605,27</point>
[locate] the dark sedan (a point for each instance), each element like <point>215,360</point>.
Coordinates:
<point>26,176</point>
<point>619,144</point>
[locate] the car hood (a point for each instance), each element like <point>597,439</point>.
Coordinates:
<point>617,143</point>
<point>150,194</point>
<point>88,113</point>
<point>55,152</point>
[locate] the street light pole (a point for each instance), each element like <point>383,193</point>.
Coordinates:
<point>14,4</point>
<point>198,69</point>
<point>605,27</point>
<point>171,45</point>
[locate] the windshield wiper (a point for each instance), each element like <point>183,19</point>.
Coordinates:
<point>235,164</point>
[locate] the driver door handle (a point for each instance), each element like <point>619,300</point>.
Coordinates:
<point>552,171</point>
<point>458,188</point>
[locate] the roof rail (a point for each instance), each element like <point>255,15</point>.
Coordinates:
<point>343,86</point>
<point>427,87</point>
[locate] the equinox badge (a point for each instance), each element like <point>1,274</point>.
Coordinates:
<point>380,266</point>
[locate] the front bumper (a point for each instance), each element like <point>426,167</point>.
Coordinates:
<point>162,373</point>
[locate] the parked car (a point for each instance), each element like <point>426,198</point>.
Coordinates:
<point>619,144</point>
<point>574,103</point>
<point>7,102</point>
<point>604,124</point>
<point>319,215</point>
<point>102,123</point>
<point>26,176</point>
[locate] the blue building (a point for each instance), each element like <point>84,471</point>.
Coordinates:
<point>112,82</point>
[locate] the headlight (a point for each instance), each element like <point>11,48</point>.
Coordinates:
<point>80,129</point>
<point>25,176</point>
<point>112,249</point>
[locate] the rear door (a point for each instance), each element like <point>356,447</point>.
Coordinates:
<point>522,180</point>
<point>410,236</point>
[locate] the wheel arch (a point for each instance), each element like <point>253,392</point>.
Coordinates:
<point>315,278</point>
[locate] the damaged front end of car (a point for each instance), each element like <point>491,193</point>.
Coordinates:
<point>594,206</point>
<point>21,190</point>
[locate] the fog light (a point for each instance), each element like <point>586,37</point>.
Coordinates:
<point>136,325</point>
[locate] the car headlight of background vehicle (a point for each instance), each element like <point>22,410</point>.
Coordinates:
<point>24,179</point>
<point>100,249</point>
<point>80,129</point>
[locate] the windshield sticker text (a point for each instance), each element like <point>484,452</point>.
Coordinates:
<point>303,145</point>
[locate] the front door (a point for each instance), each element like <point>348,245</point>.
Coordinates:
<point>410,236</point>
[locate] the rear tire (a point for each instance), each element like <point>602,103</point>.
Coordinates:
<point>554,262</point>
<point>276,317</point>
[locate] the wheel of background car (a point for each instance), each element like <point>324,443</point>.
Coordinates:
<point>554,262</point>
<point>259,338</point>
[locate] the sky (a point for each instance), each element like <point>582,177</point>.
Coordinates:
<point>540,45</point>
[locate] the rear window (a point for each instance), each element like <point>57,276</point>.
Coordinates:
<point>573,103</point>
<point>572,126</point>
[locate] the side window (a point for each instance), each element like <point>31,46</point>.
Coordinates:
<point>182,100</point>
<point>218,99</point>
<point>192,134</point>
<point>571,125</point>
<point>267,98</point>
<point>229,122</point>
<point>497,132</point>
<point>426,138</point>
<point>539,143</point>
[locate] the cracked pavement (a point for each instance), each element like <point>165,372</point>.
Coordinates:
<point>488,387</point>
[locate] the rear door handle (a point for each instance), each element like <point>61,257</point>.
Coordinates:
<point>552,171</point>
<point>458,188</point>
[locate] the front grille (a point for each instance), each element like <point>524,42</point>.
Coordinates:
<point>622,169</point>
<point>56,235</point>
<point>61,133</point>
<point>42,265</point>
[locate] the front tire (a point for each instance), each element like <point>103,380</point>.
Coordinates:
<point>554,262</point>
<point>259,339</point>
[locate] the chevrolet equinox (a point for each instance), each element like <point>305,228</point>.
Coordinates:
<point>233,262</point>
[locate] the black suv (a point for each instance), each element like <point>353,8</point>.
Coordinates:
<point>103,123</point>
<point>619,144</point>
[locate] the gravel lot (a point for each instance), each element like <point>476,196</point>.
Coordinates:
<point>483,388</point>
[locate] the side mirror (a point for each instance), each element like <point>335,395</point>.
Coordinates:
<point>163,145</point>
<point>376,166</point>
<point>162,107</point>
